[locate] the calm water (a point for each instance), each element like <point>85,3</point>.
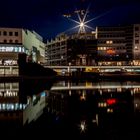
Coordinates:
<point>72,109</point>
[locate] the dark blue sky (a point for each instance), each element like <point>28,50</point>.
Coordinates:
<point>45,16</point>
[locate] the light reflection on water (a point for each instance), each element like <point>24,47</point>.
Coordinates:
<point>107,105</point>
<point>78,108</point>
<point>19,107</point>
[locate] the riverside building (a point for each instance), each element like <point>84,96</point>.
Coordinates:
<point>75,49</point>
<point>116,45</point>
<point>17,40</point>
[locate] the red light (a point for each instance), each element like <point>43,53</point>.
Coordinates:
<point>111,101</point>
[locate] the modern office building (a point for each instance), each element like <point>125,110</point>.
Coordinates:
<point>118,45</point>
<point>112,46</point>
<point>75,49</point>
<point>136,44</point>
<point>18,40</point>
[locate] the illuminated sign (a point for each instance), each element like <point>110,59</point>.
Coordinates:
<point>110,52</point>
<point>11,49</point>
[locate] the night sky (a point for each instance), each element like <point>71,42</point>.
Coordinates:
<point>45,16</point>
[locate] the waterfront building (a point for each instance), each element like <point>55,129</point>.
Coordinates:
<point>111,48</point>
<point>18,40</point>
<point>118,45</point>
<point>75,49</point>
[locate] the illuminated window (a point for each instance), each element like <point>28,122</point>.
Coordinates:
<point>101,48</point>
<point>136,47</point>
<point>109,42</point>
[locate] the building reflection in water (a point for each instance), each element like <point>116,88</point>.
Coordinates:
<point>18,106</point>
<point>73,107</point>
<point>101,104</point>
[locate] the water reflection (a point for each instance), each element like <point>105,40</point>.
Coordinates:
<point>22,102</point>
<point>108,106</point>
<point>84,109</point>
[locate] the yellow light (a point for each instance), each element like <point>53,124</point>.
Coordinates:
<point>81,24</point>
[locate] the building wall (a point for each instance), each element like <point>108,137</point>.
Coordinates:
<point>34,43</point>
<point>111,43</point>
<point>16,40</point>
<point>10,36</point>
<point>56,51</point>
<point>115,44</point>
<point>82,51</point>
<point>136,41</point>
<point>74,49</point>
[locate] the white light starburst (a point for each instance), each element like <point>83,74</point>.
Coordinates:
<point>82,23</point>
<point>82,20</point>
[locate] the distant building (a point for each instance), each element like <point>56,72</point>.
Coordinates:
<point>112,46</point>
<point>75,49</point>
<point>18,40</point>
<point>136,44</point>
<point>118,45</point>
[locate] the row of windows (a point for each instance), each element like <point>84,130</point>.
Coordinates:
<point>111,29</point>
<point>111,35</point>
<point>10,41</point>
<point>12,106</point>
<point>111,41</point>
<point>5,33</point>
<point>108,48</point>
